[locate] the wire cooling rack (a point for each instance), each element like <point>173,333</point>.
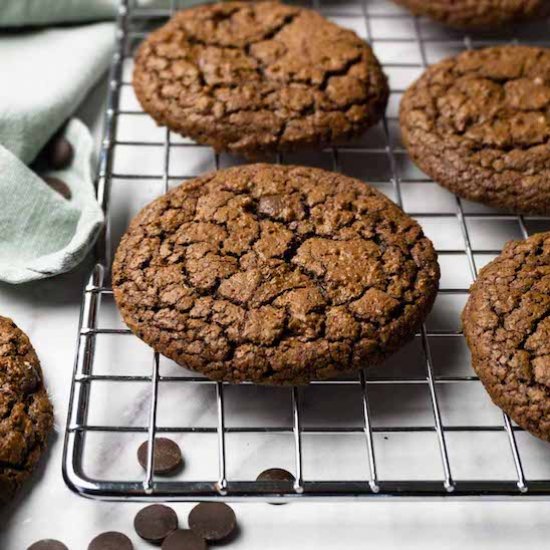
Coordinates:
<point>420,426</point>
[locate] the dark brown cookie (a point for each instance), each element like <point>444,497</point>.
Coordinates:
<point>248,77</point>
<point>26,416</point>
<point>479,124</point>
<point>477,14</point>
<point>507,326</point>
<point>274,274</point>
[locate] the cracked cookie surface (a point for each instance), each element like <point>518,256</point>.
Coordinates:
<point>274,274</point>
<point>477,14</point>
<point>479,124</point>
<point>26,416</point>
<point>507,326</point>
<point>250,77</point>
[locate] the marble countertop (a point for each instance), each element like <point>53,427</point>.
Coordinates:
<point>48,311</point>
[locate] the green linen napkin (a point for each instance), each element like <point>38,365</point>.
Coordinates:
<point>45,75</point>
<point>42,233</point>
<point>42,12</point>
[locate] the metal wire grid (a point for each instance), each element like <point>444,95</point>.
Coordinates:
<point>440,483</point>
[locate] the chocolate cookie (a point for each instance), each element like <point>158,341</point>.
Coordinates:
<point>507,326</point>
<point>248,77</point>
<point>274,274</point>
<point>477,14</point>
<point>479,124</point>
<point>26,416</point>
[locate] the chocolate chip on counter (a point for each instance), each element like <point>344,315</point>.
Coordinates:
<point>47,544</point>
<point>112,540</point>
<point>59,152</point>
<point>167,456</point>
<point>184,539</point>
<point>154,523</point>
<point>213,521</point>
<point>276,474</point>
<point>58,185</point>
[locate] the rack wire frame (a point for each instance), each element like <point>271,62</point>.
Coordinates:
<point>223,488</point>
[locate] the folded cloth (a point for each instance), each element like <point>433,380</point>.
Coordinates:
<point>45,75</point>
<point>42,12</point>
<point>42,232</point>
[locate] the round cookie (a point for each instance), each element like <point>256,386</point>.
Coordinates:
<point>274,274</point>
<point>26,416</point>
<point>477,14</point>
<point>479,124</point>
<point>507,327</point>
<point>251,77</point>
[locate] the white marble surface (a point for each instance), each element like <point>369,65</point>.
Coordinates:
<point>48,311</point>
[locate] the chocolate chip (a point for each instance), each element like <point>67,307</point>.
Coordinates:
<point>59,153</point>
<point>47,544</point>
<point>31,379</point>
<point>112,540</point>
<point>276,474</point>
<point>213,521</point>
<point>271,205</point>
<point>58,185</point>
<point>154,523</point>
<point>167,459</point>
<point>184,539</point>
